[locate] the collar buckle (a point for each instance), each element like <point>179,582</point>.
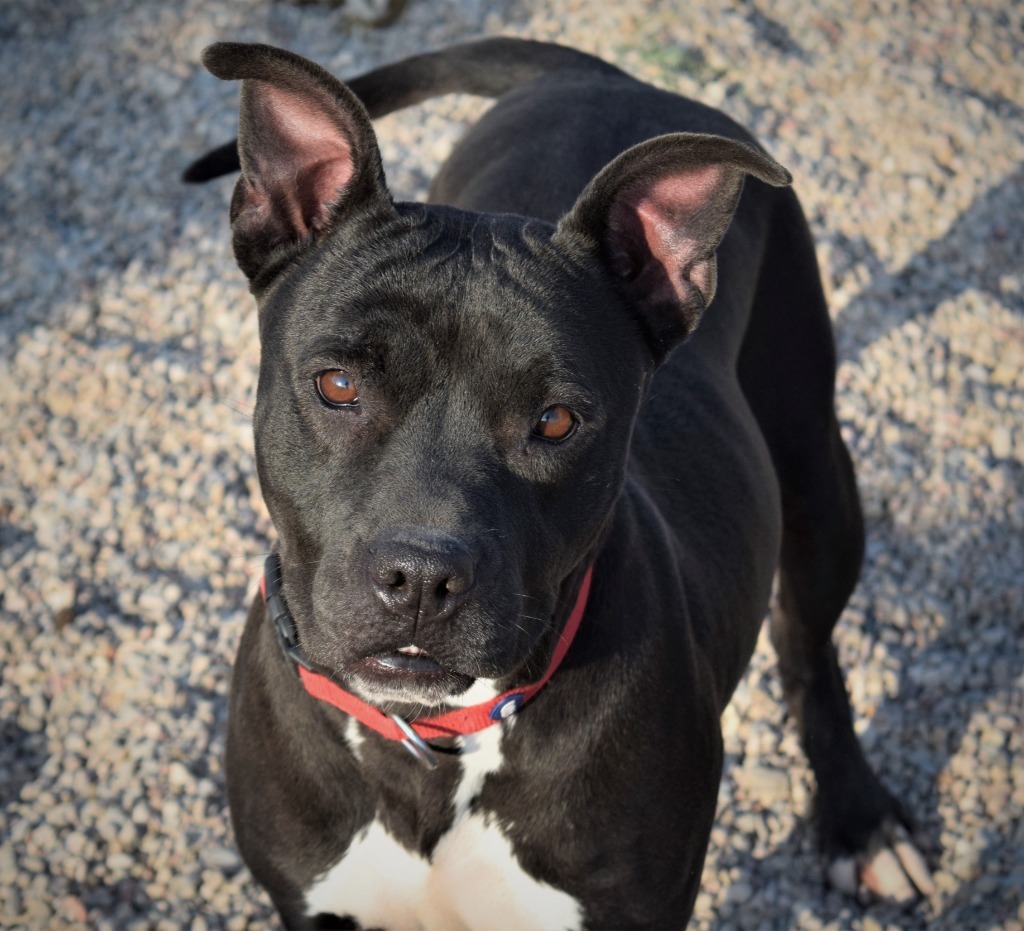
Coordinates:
<point>284,626</point>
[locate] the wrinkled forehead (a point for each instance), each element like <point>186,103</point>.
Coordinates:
<point>441,290</point>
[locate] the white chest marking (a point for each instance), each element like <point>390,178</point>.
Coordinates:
<point>372,883</point>
<point>480,691</point>
<point>472,883</point>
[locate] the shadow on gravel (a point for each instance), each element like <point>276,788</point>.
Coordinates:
<point>96,210</point>
<point>914,735</point>
<point>22,755</point>
<point>975,606</point>
<point>22,752</point>
<point>982,239</point>
<point>774,33</point>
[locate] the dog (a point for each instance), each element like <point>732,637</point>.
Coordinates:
<point>529,512</point>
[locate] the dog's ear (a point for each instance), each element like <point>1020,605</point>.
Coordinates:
<point>307,150</point>
<point>657,214</point>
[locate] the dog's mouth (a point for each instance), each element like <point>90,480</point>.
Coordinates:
<point>409,673</point>
<point>409,659</point>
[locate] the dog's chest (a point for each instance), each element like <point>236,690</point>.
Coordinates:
<point>472,881</point>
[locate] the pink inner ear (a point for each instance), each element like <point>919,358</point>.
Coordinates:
<point>664,229</point>
<point>307,160</point>
<point>675,212</point>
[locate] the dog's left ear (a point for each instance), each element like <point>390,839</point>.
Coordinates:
<point>307,149</point>
<point>657,213</point>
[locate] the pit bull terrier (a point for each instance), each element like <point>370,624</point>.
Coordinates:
<point>529,512</point>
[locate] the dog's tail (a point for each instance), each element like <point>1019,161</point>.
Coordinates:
<point>486,68</point>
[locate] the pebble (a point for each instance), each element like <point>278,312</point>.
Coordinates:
<point>58,594</point>
<point>763,785</point>
<point>131,524</point>
<point>1001,442</point>
<point>222,858</point>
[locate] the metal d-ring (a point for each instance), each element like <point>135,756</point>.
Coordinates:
<point>415,744</point>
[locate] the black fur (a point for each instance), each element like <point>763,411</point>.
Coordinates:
<point>581,243</point>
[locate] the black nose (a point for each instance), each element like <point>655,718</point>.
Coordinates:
<point>424,580</point>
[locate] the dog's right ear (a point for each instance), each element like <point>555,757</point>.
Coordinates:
<point>307,149</point>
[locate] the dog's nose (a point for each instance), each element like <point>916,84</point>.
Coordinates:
<point>424,580</point>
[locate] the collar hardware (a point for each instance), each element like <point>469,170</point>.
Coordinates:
<point>505,709</point>
<point>284,625</point>
<point>415,744</point>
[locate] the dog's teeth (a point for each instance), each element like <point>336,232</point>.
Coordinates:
<point>411,651</point>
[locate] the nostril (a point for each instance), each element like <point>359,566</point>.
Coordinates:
<point>386,574</point>
<point>454,585</point>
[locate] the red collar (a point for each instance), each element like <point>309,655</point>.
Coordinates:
<point>412,734</point>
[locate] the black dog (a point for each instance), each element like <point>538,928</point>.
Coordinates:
<point>529,514</point>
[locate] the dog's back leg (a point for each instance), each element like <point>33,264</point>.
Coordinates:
<point>787,370</point>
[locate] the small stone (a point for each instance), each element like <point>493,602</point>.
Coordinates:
<point>15,601</point>
<point>178,776</point>
<point>1001,442</point>
<point>764,784</point>
<point>74,908</point>
<point>842,875</point>
<point>1010,284</point>
<point>119,862</point>
<point>222,858</point>
<point>59,596</point>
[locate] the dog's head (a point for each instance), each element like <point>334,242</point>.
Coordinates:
<point>446,399</point>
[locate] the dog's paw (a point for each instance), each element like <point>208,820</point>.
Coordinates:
<point>890,867</point>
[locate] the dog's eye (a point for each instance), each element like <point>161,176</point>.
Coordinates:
<point>556,423</point>
<point>337,388</point>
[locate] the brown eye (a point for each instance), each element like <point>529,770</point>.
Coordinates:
<point>556,423</point>
<point>337,388</point>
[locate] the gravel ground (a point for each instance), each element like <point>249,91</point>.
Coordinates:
<point>131,525</point>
